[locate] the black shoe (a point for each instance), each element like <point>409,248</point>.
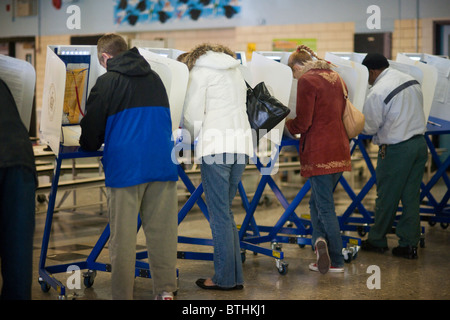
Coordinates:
<point>201,284</point>
<point>408,252</point>
<point>367,246</point>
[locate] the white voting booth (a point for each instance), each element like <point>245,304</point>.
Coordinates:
<point>164,52</point>
<point>283,57</point>
<point>56,127</point>
<point>355,76</point>
<point>425,74</point>
<point>428,83</point>
<point>278,79</point>
<point>62,62</point>
<point>440,72</point>
<point>20,77</point>
<point>174,75</point>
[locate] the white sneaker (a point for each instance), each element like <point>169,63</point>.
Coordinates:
<point>313,267</point>
<point>323,259</point>
<point>164,296</point>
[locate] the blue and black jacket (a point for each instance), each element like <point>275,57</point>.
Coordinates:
<point>128,110</point>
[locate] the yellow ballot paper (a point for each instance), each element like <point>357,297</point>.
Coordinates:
<point>74,95</point>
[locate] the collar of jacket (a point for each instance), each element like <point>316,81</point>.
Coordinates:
<point>315,64</point>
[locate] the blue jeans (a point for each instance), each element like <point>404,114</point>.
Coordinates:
<point>323,216</point>
<point>221,175</point>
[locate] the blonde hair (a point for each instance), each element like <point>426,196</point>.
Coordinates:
<point>302,55</point>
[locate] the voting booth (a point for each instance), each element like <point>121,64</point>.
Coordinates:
<point>440,107</point>
<point>20,77</point>
<point>70,74</point>
<point>355,76</point>
<point>428,81</point>
<point>163,52</point>
<point>436,71</point>
<point>278,79</point>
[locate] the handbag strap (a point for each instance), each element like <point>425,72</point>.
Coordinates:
<point>343,88</point>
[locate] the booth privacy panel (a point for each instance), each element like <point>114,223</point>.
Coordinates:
<point>355,76</point>
<point>278,79</point>
<point>429,82</point>
<point>52,101</point>
<point>20,77</point>
<point>440,107</point>
<point>175,77</point>
<point>59,60</point>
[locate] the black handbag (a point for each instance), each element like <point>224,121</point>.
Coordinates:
<point>264,110</point>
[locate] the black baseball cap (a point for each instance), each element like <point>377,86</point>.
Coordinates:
<point>375,61</point>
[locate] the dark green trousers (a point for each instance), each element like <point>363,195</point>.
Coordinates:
<point>399,173</point>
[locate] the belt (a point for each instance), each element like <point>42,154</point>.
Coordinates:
<point>394,144</point>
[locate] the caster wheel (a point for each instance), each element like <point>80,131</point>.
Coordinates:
<point>361,231</point>
<point>422,242</point>
<point>432,223</point>
<point>347,255</point>
<point>89,277</point>
<point>444,225</point>
<point>41,198</point>
<point>45,287</point>
<point>348,258</point>
<point>283,269</point>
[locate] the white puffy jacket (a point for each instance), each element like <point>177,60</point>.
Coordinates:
<point>215,107</point>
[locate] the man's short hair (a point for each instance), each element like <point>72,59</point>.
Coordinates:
<point>375,61</point>
<point>112,44</point>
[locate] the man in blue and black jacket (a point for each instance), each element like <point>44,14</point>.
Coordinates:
<point>128,110</point>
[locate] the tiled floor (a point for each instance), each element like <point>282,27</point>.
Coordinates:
<point>74,233</point>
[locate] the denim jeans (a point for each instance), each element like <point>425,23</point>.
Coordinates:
<point>323,216</point>
<point>221,175</point>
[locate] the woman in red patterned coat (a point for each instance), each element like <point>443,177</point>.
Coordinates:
<point>324,149</point>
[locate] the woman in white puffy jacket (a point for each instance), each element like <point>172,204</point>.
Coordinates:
<point>215,115</point>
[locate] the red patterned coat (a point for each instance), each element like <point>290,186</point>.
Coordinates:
<point>324,145</point>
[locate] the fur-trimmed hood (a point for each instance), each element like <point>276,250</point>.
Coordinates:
<point>315,64</point>
<point>210,55</point>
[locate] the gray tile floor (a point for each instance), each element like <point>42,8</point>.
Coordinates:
<point>74,233</point>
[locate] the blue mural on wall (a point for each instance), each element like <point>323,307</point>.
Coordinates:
<point>132,12</point>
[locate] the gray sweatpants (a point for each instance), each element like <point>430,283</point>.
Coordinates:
<point>158,206</point>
